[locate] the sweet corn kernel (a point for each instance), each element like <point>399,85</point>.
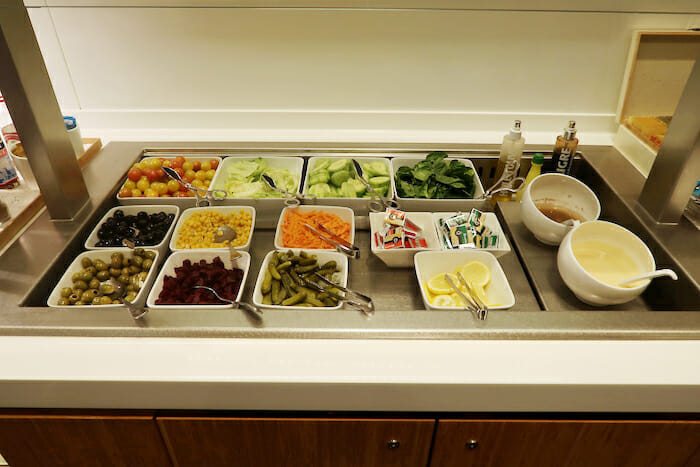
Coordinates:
<point>198,230</point>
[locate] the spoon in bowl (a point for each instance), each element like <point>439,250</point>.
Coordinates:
<point>252,310</point>
<point>226,233</point>
<point>649,275</point>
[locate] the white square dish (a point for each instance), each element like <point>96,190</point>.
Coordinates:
<point>492,224</point>
<point>323,256</point>
<point>187,213</point>
<point>162,247</point>
<point>345,214</point>
<point>103,254</point>
<point>403,257</point>
<point>176,259</point>
<point>430,263</point>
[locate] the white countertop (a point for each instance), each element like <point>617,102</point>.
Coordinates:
<point>372,375</point>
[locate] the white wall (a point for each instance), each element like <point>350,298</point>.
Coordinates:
<point>233,72</point>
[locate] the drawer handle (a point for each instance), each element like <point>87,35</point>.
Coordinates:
<point>472,444</point>
<point>393,443</point>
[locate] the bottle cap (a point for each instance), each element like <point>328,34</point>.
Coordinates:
<point>570,132</point>
<point>538,158</point>
<point>70,122</point>
<point>515,132</point>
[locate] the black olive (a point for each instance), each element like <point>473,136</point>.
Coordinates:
<point>118,213</point>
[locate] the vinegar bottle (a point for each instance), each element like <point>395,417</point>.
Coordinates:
<point>511,148</point>
<point>565,150</point>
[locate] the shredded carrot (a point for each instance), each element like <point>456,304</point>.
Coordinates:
<point>295,235</point>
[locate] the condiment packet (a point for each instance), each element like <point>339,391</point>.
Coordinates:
<point>467,231</point>
<point>399,232</point>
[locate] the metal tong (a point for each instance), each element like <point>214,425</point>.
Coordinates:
<point>353,298</point>
<point>378,203</point>
<point>472,302</point>
<point>507,182</point>
<point>203,197</point>
<point>341,245</point>
<point>291,199</point>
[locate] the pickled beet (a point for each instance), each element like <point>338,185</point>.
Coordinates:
<point>179,290</point>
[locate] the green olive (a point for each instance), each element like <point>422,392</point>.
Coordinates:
<point>134,280</point>
<point>82,285</point>
<point>139,252</point>
<point>126,271</point>
<point>86,275</point>
<point>115,272</point>
<point>134,269</point>
<point>87,297</point>
<point>86,262</point>
<point>74,297</point>
<point>124,279</point>
<point>147,263</point>
<point>107,288</point>
<point>102,276</point>
<point>131,287</point>
<point>66,291</point>
<point>116,301</point>
<point>130,297</point>
<point>79,303</point>
<point>63,301</point>
<point>143,275</point>
<point>115,263</point>
<point>127,261</point>
<point>137,261</point>
<point>149,254</point>
<point>78,292</point>
<point>105,300</point>
<point>76,276</point>
<point>92,270</point>
<point>100,265</point>
<point>94,283</point>
<point>96,301</point>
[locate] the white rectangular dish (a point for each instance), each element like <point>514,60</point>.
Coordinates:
<point>358,205</point>
<point>176,259</point>
<point>90,243</point>
<point>187,213</point>
<point>422,204</point>
<point>403,257</point>
<point>104,255</point>
<point>268,209</point>
<point>323,256</point>
<point>182,203</point>
<point>491,223</point>
<point>345,214</point>
<point>431,263</point>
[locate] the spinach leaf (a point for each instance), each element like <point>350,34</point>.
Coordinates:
<point>435,178</point>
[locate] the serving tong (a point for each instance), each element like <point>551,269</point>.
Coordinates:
<point>472,302</point>
<point>291,199</point>
<point>341,245</point>
<point>203,197</point>
<point>353,298</point>
<point>377,203</point>
<point>508,183</point>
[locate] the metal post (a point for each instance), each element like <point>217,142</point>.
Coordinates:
<point>677,166</point>
<point>30,98</point>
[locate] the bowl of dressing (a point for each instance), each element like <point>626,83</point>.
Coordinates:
<point>595,256</point>
<point>553,203</point>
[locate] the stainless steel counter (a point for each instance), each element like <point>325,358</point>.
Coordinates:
<point>29,269</point>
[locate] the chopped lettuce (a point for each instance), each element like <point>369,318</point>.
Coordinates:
<point>243,179</point>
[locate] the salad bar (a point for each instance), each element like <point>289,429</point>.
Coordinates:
<point>326,243</point>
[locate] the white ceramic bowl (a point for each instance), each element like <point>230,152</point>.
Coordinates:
<point>358,205</point>
<point>133,210</point>
<point>22,166</point>
<point>187,213</point>
<point>267,209</point>
<point>104,255</point>
<point>345,214</point>
<point>430,263</point>
<point>587,288</point>
<point>323,256</point>
<point>492,224</point>
<point>403,257</point>
<point>419,204</point>
<point>182,203</point>
<point>176,259</point>
<point>560,191</point>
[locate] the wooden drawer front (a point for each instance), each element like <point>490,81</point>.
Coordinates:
<point>201,442</point>
<point>51,441</point>
<point>565,443</point>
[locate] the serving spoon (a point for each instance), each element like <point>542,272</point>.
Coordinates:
<point>226,233</point>
<point>650,275</point>
<point>252,310</point>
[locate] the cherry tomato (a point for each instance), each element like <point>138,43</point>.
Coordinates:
<point>190,174</point>
<point>166,163</point>
<point>187,179</point>
<point>180,172</point>
<point>151,193</point>
<point>130,184</point>
<point>151,174</point>
<point>206,165</point>
<point>182,194</point>
<point>173,186</point>
<point>210,174</point>
<point>214,163</point>
<point>136,193</point>
<point>125,193</point>
<point>196,165</point>
<point>161,173</point>
<point>143,184</point>
<point>176,163</point>
<point>135,175</point>
<point>188,165</point>
<point>180,159</point>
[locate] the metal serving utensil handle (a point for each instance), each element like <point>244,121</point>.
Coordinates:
<point>365,305</point>
<point>349,250</point>
<point>136,312</point>
<point>252,310</point>
<point>377,203</point>
<point>291,199</point>
<point>469,304</point>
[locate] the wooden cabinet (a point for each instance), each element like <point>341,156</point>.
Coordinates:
<point>51,441</point>
<point>202,442</point>
<point>544,443</point>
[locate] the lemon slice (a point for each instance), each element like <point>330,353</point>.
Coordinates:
<point>439,286</point>
<point>430,296</point>
<point>457,299</point>
<point>476,273</point>
<point>480,292</point>
<point>444,300</point>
